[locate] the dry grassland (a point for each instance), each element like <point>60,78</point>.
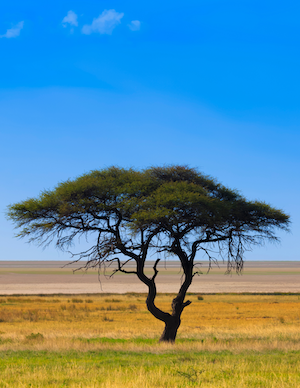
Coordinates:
<point>112,341</point>
<point>216,322</point>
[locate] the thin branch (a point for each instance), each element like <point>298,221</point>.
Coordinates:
<point>155,269</point>
<point>120,267</point>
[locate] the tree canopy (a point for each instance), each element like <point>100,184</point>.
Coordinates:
<point>173,209</point>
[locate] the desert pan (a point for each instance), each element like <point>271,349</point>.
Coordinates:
<point>54,277</point>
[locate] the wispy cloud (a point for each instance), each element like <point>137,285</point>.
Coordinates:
<point>14,31</point>
<point>71,19</point>
<point>135,25</point>
<point>104,24</point>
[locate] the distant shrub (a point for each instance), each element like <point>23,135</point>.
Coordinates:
<point>112,300</point>
<point>35,337</point>
<point>31,315</point>
<point>11,300</point>
<point>133,294</point>
<point>107,319</point>
<point>200,297</point>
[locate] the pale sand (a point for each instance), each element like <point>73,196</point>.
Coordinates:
<point>257,277</point>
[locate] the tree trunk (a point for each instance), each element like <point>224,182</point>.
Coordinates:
<point>173,322</point>
<point>170,331</point>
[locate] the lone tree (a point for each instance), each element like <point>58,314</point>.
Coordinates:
<point>131,213</point>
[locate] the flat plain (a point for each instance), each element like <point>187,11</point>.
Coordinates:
<point>65,329</point>
<point>55,277</point>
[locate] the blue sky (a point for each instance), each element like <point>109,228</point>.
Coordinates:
<point>211,84</point>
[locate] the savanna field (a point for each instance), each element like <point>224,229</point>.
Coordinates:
<point>106,340</point>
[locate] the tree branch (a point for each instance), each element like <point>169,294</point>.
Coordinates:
<point>120,267</point>
<point>155,270</point>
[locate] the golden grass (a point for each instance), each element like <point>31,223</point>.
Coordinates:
<point>218,322</point>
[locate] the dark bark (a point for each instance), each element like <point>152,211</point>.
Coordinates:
<point>170,331</point>
<point>173,322</point>
<point>152,308</point>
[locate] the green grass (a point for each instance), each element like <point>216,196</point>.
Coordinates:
<point>167,368</point>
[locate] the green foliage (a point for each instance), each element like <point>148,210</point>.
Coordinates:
<point>164,197</point>
<point>169,209</point>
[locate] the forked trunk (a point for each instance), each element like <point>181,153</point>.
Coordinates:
<point>172,321</point>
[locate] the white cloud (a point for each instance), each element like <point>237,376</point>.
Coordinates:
<point>71,18</point>
<point>135,25</point>
<point>105,23</point>
<point>14,31</point>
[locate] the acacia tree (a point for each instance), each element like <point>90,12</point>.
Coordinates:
<point>172,209</point>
